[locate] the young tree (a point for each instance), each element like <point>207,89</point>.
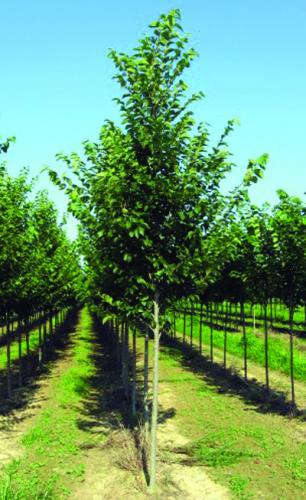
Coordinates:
<point>289,237</point>
<point>149,194</point>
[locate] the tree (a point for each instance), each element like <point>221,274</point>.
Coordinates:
<point>289,238</point>
<point>148,195</point>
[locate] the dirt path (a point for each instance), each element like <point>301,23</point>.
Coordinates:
<point>16,422</point>
<point>186,481</point>
<point>113,468</point>
<point>75,422</point>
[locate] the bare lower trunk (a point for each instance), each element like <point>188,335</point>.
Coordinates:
<point>184,327</point>
<point>117,334</point>
<point>225,336</point>
<point>27,334</point>
<point>245,357</point>
<point>211,335</point>
<point>44,339</point>
<point>266,347</point>
<point>201,327</point>
<point>291,310</point>
<point>8,358</point>
<point>254,319</point>
<point>134,374</point>
<point>19,353</point>
<point>40,345</point>
<point>154,416</point>
<point>126,359</point>
<point>191,327</point>
<point>146,385</point>
<point>174,324</point>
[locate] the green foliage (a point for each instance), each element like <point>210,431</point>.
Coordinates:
<point>154,220</point>
<point>39,267</point>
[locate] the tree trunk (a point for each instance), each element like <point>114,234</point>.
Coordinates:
<point>266,346</point>
<point>225,336</point>
<point>122,335</point>
<point>27,335</point>
<point>44,338</point>
<point>154,416</point>
<point>146,386</point>
<point>184,328</point>
<point>126,359</point>
<point>19,353</point>
<point>211,335</point>
<point>201,327</point>
<point>245,358</point>
<point>40,345</point>
<point>174,324</point>
<point>118,351</point>
<point>134,374</point>
<point>291,311</point>
<point>254,319</point>
<point>271,313</point>
<point>191,326</point>
<point>50,323</point>
<point>8,357</point>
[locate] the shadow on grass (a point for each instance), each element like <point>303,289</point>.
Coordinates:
<point>106,409</point>
<point>33,371</point>
<point>107,405</point>
<point>226,381</point>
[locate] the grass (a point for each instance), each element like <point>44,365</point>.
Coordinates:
<point>218,449</point>
<point>254,454</point>
<point>53,453</point>
<point>238,486</point>
<point>33,344</point>
<point>279,354</point>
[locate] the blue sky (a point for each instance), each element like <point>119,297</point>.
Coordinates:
<point>56,84</point>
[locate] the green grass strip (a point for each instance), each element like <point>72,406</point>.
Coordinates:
<point>53,447</point>
<point>279,353</point>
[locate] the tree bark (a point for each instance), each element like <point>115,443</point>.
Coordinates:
<point>245,357</point>
<point>201,327</point>
<point>126,359</point>
<point>266,347</point>
<point>146,385</point>
<point>291,311</point>
<point>27,335</point>
<point>154,416</point>
<point>184,328</point>
<point>19,353</point>
<point>225,336</point>
<point>8,357</point>
<point>134,374</point>
<point>44,338</point>
<point>118,351</point>
<point>191,326</point>
<point>174,324</point>
<point>211,334</point>
<point>40,345</point>
<point>254,318</point>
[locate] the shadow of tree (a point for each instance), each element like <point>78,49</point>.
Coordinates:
<point>33,372</point>
<point>106,406</point>
<point>227,381</point>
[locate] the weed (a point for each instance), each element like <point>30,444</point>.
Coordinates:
<point>238,485</point>
<point>217,449</point>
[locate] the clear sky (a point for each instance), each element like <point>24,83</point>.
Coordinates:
<point>56,85</point>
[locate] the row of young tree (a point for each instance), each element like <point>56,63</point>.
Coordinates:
<point>155,225</point>
<point>270,263</point>
<point>39,267</point>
